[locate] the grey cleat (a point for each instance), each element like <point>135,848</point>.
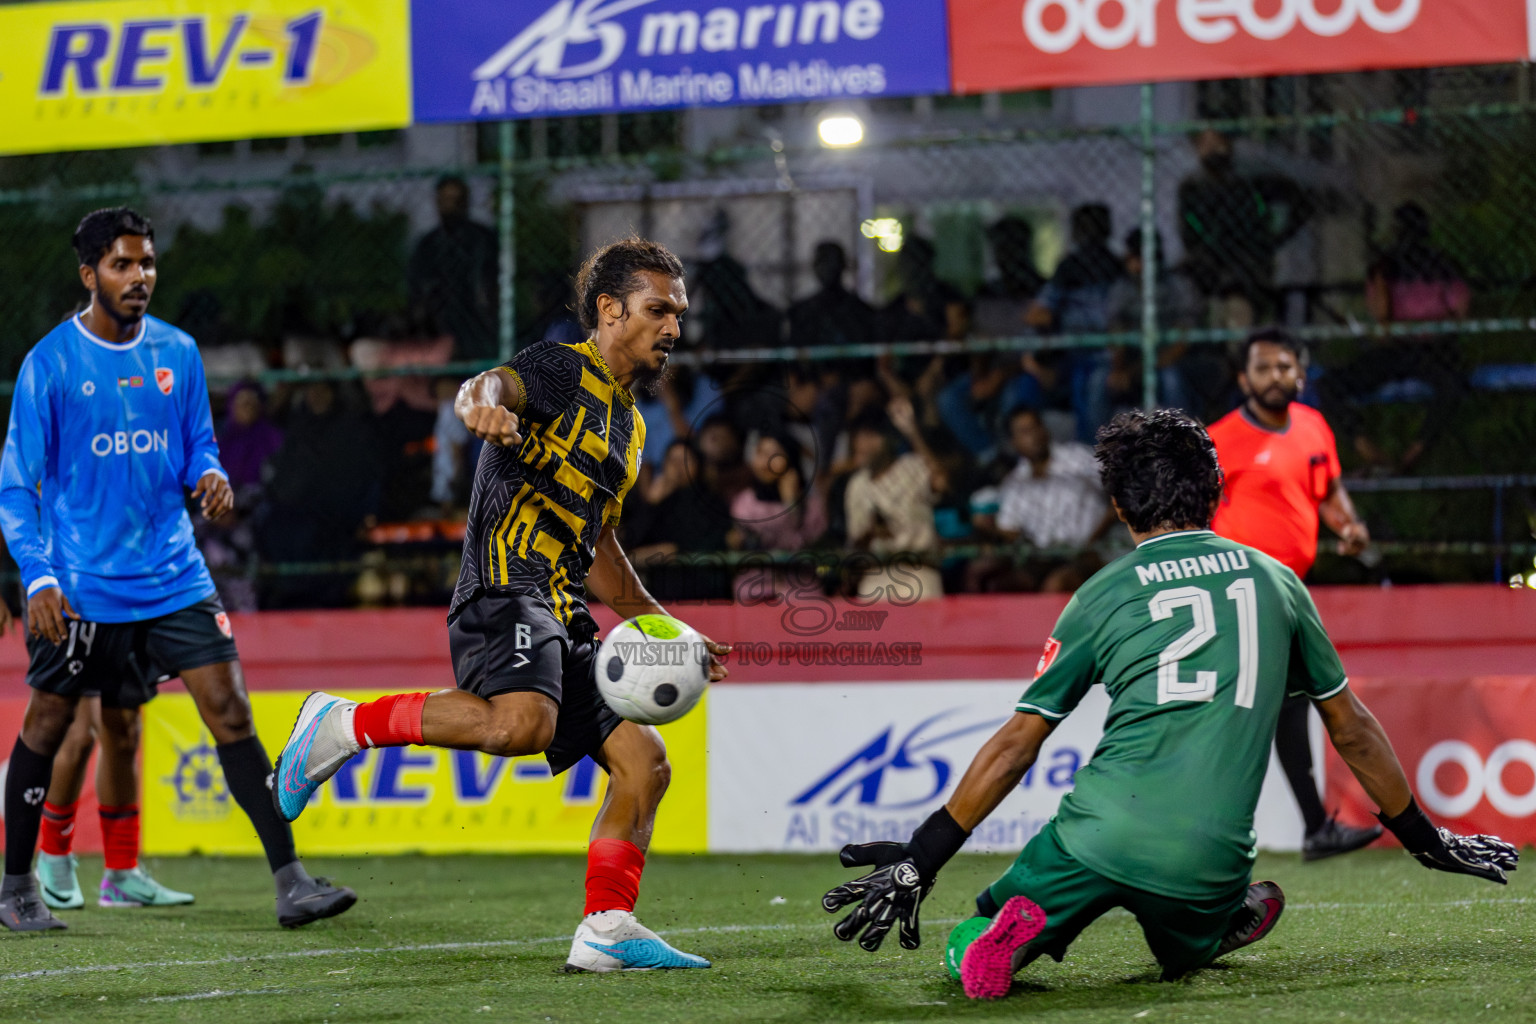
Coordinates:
<point>303,900</point>
<point>22,908</point>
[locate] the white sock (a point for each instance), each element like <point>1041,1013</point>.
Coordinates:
<point>346,713</point>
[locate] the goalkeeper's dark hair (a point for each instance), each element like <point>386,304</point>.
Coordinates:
<point>614,270</point>
<point>1161,469</point>
<point>100,228</point>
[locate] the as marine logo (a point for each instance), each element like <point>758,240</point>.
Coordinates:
<point>165,378</point>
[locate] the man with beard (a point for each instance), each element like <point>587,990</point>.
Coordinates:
<point>1282,475</point>
<point>565,441</point>
<point>109,430</point>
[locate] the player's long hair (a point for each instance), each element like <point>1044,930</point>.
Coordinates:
<point>1161,469</point>
<point>100,228</point>
<point>612,270</point>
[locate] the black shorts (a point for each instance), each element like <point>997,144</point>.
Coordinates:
<point>125,661</point>
<point>510,643</point>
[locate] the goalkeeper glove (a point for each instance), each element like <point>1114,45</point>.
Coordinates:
<point>1443,850</point>
<point>891,894</point>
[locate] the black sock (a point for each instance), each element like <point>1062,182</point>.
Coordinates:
<point>1295,750</point>
<point>247,769</point>
<point>26,784</point>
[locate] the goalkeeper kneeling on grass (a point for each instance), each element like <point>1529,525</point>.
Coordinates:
<point>1198,640</point>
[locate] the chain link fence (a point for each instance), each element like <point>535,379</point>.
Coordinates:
<point>881,338</point>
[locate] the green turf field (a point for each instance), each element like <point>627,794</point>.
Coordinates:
<point>1369,937</point>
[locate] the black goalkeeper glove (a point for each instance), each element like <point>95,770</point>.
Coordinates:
<point>1484,856</point>
<point>890,895</point>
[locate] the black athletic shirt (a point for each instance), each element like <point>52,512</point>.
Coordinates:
<point>535,511</point>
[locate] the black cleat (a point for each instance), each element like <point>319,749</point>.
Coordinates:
<point>312,899</point>
<point>1335,838</point>
<point>24,911</point>
<point>1255,919</point>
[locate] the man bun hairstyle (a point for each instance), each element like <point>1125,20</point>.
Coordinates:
<point>1160,467</point>
<point>100,228</point>
<point>614,270</point>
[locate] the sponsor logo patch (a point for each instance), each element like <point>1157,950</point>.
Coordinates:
<point>1047,656</point>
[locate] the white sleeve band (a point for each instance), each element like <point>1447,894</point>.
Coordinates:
<point>41,583</point>
<point>1037,709</point>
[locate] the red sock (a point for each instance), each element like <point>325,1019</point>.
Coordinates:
<point>389,721</point>
<point>59,828</point>
<point>120,837</point>
<point>613,875</point>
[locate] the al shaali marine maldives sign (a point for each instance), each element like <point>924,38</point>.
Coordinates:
<point>490,59</point>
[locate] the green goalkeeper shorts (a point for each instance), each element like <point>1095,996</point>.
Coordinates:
<point>1182,933</point>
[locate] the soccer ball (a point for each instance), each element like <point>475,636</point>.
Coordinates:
<point>652,669</point>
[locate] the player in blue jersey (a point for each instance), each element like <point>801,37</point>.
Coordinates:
<point>110,428</point>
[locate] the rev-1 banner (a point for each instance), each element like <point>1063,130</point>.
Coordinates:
<point>1032,44</point>
<point>494,59</point>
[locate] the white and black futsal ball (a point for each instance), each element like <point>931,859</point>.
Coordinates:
<point>652,669</point>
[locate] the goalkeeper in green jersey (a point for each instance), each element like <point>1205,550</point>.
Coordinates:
<point>1198,640</point>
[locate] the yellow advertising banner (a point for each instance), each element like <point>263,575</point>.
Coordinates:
<point>401,799</point>
<point>98,74</point>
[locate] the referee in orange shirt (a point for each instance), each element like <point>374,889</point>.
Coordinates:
<point>1282,476</point>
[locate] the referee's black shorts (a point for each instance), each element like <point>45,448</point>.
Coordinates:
<point>503,642</point>
<point>126,661</point>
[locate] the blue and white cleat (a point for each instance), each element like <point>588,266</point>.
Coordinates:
<point>612,940</point>
<point>321,742</point>
<point>59,881</point>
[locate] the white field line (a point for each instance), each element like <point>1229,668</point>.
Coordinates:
<point>725,929</point>
<point>217,993</point>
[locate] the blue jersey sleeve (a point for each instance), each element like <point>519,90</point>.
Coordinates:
<point>27,445</point>
<point>197,426</point>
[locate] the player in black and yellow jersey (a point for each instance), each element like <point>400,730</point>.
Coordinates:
<point>565,440</point>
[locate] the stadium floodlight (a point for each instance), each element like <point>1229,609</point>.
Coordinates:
<point>840,129</point>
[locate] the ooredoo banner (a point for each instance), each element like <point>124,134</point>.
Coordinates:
<point>1468,747</point>
<point>491,59</point>
<point>1028,44</point>
<point>146,72</point>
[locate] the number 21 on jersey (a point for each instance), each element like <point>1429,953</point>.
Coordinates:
<point>1170,686</point>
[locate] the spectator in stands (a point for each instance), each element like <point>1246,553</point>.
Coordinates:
<point>777,510</point>
<point>247,439</point>
<point>927,308</point>
<point>1178,308</point>
<point>451,276</point>
<point>1076,301</point>
<point>553,319</point>
<point>677,513</point>
<point>1411,282</point>
<point>1052,499</point>
<point>833,315</point>
<point>889,508</point>
<point>326,481</point>
<point>972,403</point>
<point>719,444</point>
<point>1232,223</point>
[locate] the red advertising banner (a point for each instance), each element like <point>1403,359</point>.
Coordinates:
<point>1467,745</point>
<point>1030,44</point>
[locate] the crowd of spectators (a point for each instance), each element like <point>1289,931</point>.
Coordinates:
<point>908,476</point>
